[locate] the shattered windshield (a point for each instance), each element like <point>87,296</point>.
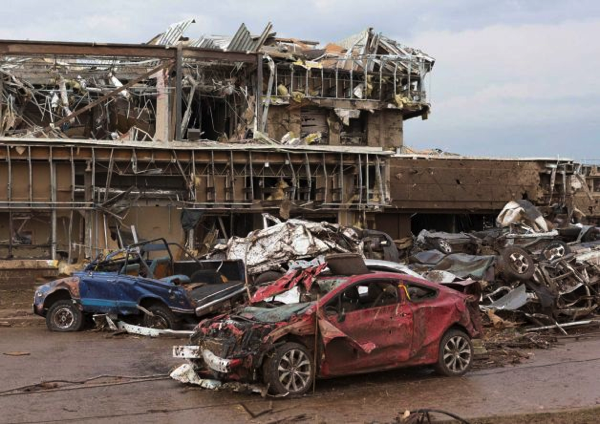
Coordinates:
<point>277,314</point>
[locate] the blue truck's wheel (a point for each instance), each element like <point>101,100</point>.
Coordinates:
<point>64,315</point>
<point>163,318</point>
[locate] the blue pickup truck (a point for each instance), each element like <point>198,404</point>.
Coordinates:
<point>142,281</point>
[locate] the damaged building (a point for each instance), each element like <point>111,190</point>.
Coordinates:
<point>436,190</point>
<point>193,139</point>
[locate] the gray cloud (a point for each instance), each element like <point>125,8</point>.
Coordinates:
<point>514,90</point>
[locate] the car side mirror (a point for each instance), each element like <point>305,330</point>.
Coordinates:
<point>341,316</point>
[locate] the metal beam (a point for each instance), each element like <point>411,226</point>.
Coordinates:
<point>1,96</point>
<point>30,179</point>
<point>28,48</point>
<point>178,105</point>
<point>53,198</point>
<point>259,84</point>
<point>219,55</point>
<point>11,231</point>
<point>72,212</point>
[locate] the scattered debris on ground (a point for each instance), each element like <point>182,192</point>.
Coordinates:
<point>422,416</point>
<point>104,380</point>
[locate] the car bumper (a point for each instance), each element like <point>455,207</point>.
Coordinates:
<point>38,307</point>
<point>212,361</point>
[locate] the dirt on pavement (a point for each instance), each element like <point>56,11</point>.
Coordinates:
<point>136,386</point>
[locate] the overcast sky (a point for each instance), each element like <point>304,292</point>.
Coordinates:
<point>512,78</point>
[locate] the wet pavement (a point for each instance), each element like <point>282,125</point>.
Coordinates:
<point>561,378</point>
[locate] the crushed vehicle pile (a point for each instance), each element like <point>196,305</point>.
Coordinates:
<point>267,252</point>
<point>145,284</point>
<point>530,273</point>
<point>330,317</point>
<point>305,303</point>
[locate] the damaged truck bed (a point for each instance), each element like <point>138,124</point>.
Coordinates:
<point>144,281</point>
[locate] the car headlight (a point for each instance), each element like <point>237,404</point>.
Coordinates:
<point>38,294</point>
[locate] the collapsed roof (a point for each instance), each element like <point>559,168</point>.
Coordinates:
<point>366,49</point>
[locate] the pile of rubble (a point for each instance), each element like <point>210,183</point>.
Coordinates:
<point>529,271</point>
<point>267,252</point>
<point>522,272</point>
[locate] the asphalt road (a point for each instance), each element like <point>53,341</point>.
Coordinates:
<point>565,377</point>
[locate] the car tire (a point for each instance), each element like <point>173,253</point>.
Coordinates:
<point>554,250</point>
<point>517,263</point>
<point>163,318</point>
<point>455,355</point>
<point>289,370</point>
<point>267,277</point>
<point>64,316</point>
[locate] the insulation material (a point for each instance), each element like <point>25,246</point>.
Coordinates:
<point>268,248</point>
<point>522,212</point>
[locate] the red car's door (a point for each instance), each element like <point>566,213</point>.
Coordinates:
<point>377,327</point>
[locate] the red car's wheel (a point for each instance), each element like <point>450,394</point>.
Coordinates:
<point>456,354</point>
<point>289,370</point>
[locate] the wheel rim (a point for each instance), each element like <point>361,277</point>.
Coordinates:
<point>64,318</point>
<point>158,322</point>
<point>457,354</point>
<point>294,370</point>
<point>519,263</point>
<point>555,252</point>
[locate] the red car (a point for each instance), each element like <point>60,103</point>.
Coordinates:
<point>365,323</point>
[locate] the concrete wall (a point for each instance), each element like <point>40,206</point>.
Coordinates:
<point>154,222</point>
<point>385,129</point>
<point>461,184</point>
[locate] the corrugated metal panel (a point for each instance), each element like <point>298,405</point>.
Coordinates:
<point>354,40</point>
<point>263,37</point>
<point>242,40</point>
<point>204,43</point>
<point>215,42</point>
<point>174,33</point>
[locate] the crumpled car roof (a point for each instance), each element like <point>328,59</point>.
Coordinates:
<point>265,249</point>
